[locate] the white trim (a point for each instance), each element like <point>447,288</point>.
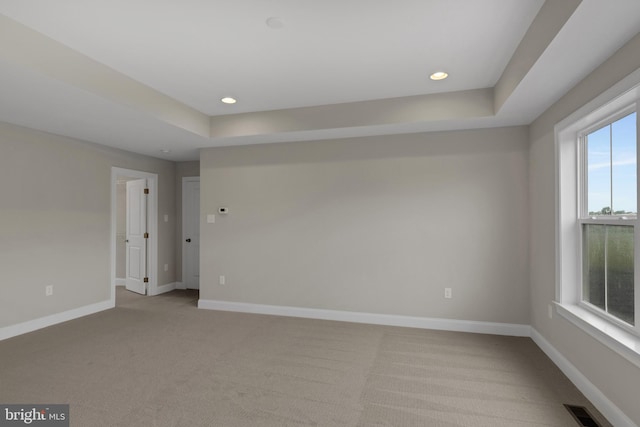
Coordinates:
<point>568,198</point>
<point>167,287</point>
<point>371,318</point>
<point>180,285</point>
<point>606,332</point>
<point>152,226</point>
<point>43,322</point>
<point>613,414</point>
<point>121,282</point>
<point>623,87</point>
<point>595,396</point>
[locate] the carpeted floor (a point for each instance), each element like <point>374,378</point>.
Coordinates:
<point>159,361</point>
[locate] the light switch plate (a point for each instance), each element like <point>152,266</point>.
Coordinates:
<point>211,218</point>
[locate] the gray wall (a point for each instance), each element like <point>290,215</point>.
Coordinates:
<point>613,375</point>
<point>378,224</point>
<point>56,221</point>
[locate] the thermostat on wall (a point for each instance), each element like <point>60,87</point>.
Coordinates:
<point>223,210</point>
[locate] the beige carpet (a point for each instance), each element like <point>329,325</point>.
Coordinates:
<point>159,361</point>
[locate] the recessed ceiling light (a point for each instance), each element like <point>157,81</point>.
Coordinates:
<point>439,75</point>
<point>228,100</point>
<point>165,151</point>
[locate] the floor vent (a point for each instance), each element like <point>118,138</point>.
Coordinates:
<point>582,416</point>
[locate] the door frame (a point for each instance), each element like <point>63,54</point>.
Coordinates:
<point>185,179</point>
<point>152,226</point>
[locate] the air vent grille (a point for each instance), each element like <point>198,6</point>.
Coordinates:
<point>582,416</point>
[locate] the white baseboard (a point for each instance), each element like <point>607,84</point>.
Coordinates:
<point>180,285</point>
<point>595,396</point>
<point>43,322</point>
<point>613,414</point>
<point>121,282</point>
<point>372,318</point>
<point>163,288</point>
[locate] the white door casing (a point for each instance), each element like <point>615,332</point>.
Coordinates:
<point>191,232</point>
<point>136,243</point>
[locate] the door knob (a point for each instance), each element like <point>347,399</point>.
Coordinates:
<point>188,240</point>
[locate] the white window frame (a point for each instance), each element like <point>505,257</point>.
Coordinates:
<point>615,334</point>
<point>619,220</point>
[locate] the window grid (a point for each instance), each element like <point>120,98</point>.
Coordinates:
<point>607,220</point>
<point>570,216</point>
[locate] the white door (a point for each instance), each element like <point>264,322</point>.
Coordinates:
<point>136,241</point>
<point>191,233</point>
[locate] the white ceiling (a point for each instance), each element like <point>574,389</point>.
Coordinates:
<point>147,75</point>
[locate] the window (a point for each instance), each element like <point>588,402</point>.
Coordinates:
<point>607,215</point>
<point>597,223</point>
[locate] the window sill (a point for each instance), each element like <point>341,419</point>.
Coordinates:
<point>614,337</point>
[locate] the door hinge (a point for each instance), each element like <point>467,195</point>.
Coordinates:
<point>146,235</point>
<point>146,191</point>
<point>146,280</point>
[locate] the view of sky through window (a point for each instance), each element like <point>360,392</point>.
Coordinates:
<point>612,169</point>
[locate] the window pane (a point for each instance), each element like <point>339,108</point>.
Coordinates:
<point>608,276</point>
<point>623,161</point>
<point>593,287</point>
<point>620,272</point>
<point>599,171</point>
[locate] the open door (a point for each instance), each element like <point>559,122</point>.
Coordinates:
<point>136,240</point>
